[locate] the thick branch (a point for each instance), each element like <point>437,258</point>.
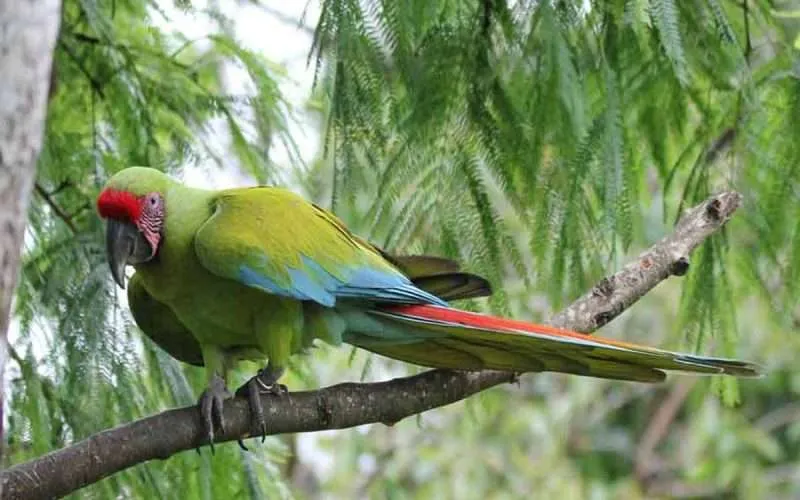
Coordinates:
<point>349,405</point>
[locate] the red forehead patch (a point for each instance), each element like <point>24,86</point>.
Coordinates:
<point>113,204</point>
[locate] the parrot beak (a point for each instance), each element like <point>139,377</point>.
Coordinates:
<point>125,245</point>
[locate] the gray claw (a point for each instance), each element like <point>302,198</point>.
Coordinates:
<point>265,382</point>
<point>256,408</point>
<point>211,407</point>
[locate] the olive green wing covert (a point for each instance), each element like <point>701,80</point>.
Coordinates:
<point>273,240</point>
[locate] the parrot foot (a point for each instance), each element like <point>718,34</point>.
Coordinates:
<point>211,405</point>
<point>265,382</point>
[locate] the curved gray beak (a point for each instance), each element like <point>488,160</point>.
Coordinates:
<point>124,244</point>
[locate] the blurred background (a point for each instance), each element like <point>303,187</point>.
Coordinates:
<point>541,143</point>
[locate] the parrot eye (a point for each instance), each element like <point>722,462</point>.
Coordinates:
<point>153,199</point>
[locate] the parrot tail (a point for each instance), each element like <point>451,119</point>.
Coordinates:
<point>440,337</point>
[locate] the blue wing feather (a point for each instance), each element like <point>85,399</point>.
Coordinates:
<point>315,283</point>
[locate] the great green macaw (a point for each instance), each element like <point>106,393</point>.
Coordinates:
<point>259,274</point>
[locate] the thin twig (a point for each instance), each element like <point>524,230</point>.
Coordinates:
<point>780,417</point>
<point>684,489</point>
<point>62,186</point>
<point>96,85</point>
<point>60,213</point>
<point>748,49</point>
<point>287,19</point>
<point>348,405</point>
<point>88,39</point>
<point>658,428</point>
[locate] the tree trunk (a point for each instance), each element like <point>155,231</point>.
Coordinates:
<point>28,30</point>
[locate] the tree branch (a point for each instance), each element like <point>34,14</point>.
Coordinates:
<point>646,462</point>
<point>348,405</point>
<point>613,294</point>
<point>48,198</point>
<point>287,19</point>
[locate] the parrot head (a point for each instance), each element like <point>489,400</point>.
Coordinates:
<point>133,204</point>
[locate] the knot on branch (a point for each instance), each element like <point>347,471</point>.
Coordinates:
<point>720,208</point>
<point>605,288</point>
<point>680,267</point>
<point>325,411</point>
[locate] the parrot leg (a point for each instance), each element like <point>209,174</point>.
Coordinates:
<point>211,404</point>
<point>265,382</point>
<point>212,399</point>
<point>279,330</point>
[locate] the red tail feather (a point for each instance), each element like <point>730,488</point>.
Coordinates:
<point>486,322</point>
<point>442,337</point>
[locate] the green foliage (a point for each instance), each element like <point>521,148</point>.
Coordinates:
<point>543,144</point>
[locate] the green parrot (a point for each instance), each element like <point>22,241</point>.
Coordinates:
<point>260,273</point>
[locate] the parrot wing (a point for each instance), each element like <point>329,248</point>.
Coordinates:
<point>448,338</point>
<point>454,286</point>
<point>440,277</point>
<point>157,321</point>
<point>420,264</point>
<point>273,240</point>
